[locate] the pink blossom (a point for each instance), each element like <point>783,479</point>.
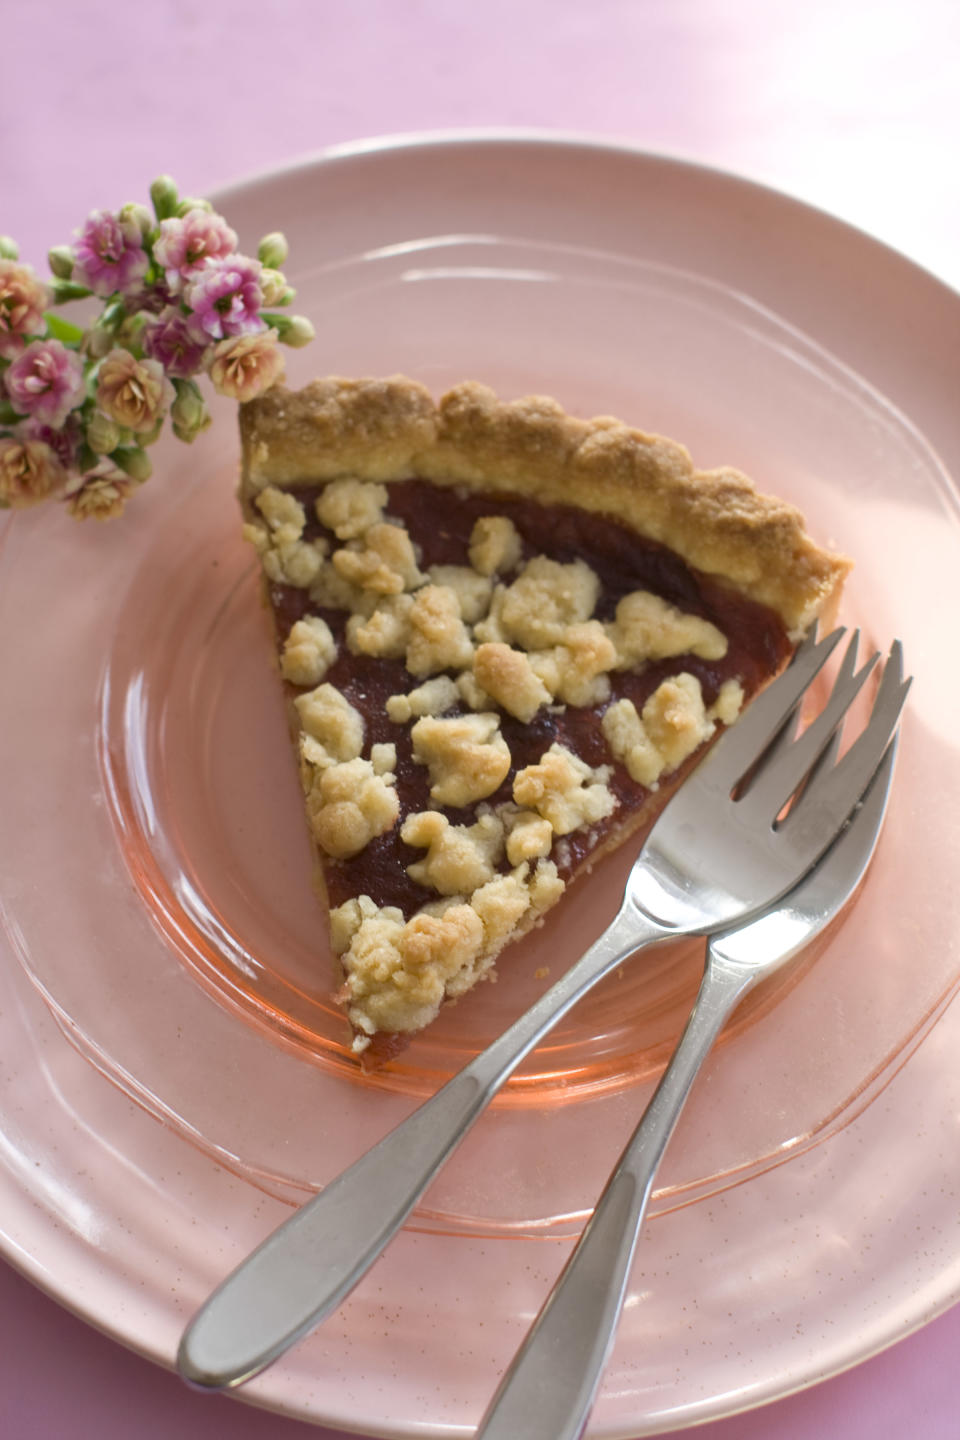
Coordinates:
<point>110,254</point>
<point>186,242</point>
<point>29,471</point>
<point>225,298</point>
<point>246,365</point>
<point>22,303</point>
<point>133,392</point>
<point>171,340</point>
<point>46,381</point>
<point>63,440</point>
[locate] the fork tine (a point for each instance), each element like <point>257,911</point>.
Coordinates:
<point>781,773</point>
<point>728,762</point>
<point>832,793</point>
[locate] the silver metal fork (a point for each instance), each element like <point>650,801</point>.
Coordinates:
<point>549,1389</point>
<point>714,857</point>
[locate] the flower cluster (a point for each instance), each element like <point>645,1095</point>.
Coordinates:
<point>79,406</point>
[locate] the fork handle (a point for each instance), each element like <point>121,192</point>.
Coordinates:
<point>549,1388</point>
<point>311,1263</point>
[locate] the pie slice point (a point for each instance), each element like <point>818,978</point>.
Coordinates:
<point>505,635</point>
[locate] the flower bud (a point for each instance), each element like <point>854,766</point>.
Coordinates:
<point>292,330</point>
<point>103,434</point>
<point>132,327</point>
<point>63,290</point>
<point>189,412</point>
<point>9,249</point>
<point>275,289</point>
<point>185,206</point>
<point>139,216</point>
<point>134,462</point>
<point>163,194</point>
<point>273,250</point>
<point>60,260</point>
<point>99,341</point>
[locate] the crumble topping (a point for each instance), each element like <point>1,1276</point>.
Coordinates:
<point>433,697</point>
<point>308,652</point>
<point>350,507</point>
<point>575,671</point>
<point>439,640</point>
<point>649,628</point>
<point>466,755</point>
<point>398,973</point>
<point>673,723</point>
<point>528,835</point>
<point>384,561</point>
<point>349,804</point>
<point>495,545</point>
<point>460,858</point>
<point>508,676</point>
<point>535,610</point>
<point>327,717</point>
<point>384,633</point>
<point>473,590</point>
<point>564,790</point>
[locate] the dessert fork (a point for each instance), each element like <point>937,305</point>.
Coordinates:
<point>716,855</point>
<point>552,1381</point>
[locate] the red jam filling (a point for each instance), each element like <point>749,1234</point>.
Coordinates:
<point>439,520</point>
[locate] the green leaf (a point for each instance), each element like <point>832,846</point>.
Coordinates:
<point>60,329</point>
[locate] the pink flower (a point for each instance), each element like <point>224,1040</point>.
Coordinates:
<point>133,392</point>
<point>246,365</point>
<point>46,381</point>
<point>186,242</point>
<point>29,471</point>
<point>64,440</point>
<point>22,303</point>
<point>170,340</point>
<point>110,254</point>
<point>225,298</point>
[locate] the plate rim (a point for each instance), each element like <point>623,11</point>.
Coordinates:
<point>405,142</point>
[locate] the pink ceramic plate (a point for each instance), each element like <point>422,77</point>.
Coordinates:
<point>155,898</point>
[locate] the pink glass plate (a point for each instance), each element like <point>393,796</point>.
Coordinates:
<point>155,875</point>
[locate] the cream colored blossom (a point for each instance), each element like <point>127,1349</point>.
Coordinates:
<point>102,497</point>
<point>133,392</point>
<point>243,366</point>
<point>22,302</point>
<point>29,472</point>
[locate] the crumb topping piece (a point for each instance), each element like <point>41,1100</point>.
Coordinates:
<point>348,804</point>
<point>649,628</point>
<point>535,610</point>
<point>564,790</point>
<point>398,973</point>
<point>466,755</point>
<point>439,640</point>
<point>674,722</point>
<point>350,507</point>
<point>508,676</point>
<point>460,858</point>
<point>308,652</point>
<point>327,717</point>
<point>384,561</point>
<point>433,697</point>
<point>495,545</point>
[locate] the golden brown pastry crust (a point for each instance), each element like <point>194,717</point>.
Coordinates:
<point>391,429</point>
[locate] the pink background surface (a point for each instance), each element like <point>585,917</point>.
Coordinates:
<point>851,105</point>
